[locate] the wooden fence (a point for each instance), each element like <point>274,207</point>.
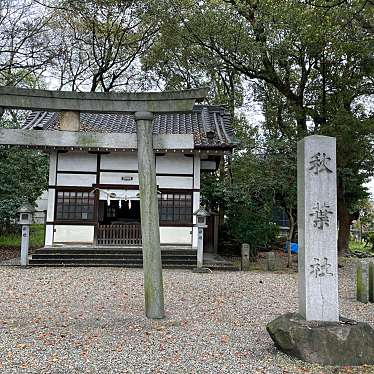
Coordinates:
<point>129,234</point>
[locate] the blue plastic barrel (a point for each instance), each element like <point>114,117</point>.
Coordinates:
<point>294,248</point>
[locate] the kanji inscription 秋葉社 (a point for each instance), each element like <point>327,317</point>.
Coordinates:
<point>319,163</point>
<point>321,267</point>
<point>321,213</point>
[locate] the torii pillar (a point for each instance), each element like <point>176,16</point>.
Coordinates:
<point>152,265</point>
<point>143,105</point>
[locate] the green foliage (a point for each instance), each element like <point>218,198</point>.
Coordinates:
<point>23,172</point>
<point>213,191</point>
<point>13,240</point>
<point>247,207</point>
<point>356,246</point>
<point>266,161</point>
<point>250,215</point>
<point>366,219</point>
<point>261,175</point>
<point>23,177</point>
<point>368,239</point>
<point>312,66</point>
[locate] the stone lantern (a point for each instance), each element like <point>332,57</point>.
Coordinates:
<point>201,215</point>
<point>25,219</point>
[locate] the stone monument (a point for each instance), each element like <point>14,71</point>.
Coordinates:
<point>271,261</point>
<point>317,229</point>
<point>245,257</point>
<point>362,281</point>
<point>316,333</point>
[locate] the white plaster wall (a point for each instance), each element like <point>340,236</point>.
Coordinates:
<point>77,161</point>
<point>48,235</point>
<point>174,163</point>
<point>52,168</point>
<point>168,164</point>
<point>116,178</point>
<point>175,235</point>
<point>73,234</point>
<point>51,204</point>
<point>174,182</point>
<point>78,180</point>
<point>119,161</point>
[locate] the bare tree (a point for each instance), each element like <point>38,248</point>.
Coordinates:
<point>23,41</point>
<point>99,43</point>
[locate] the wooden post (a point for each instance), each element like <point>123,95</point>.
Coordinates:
<point>153,285</point>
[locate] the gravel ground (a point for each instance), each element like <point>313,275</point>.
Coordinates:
<point>90,320</point>
<point>7,253</point>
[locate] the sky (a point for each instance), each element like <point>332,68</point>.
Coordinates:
<point>370,185</point>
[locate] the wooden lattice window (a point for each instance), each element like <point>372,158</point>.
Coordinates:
<point>175,208</point>
<point>75,206</point>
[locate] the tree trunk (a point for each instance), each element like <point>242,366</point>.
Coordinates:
<point>221,211</point>
<point>300,116</point>
<point>289,238</point>
<point>344,222</point>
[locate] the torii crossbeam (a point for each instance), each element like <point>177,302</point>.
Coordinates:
<point>143,105</point>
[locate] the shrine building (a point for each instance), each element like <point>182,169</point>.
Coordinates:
<point>93,191</point>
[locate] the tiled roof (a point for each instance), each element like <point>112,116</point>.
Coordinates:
<point>210,125</point>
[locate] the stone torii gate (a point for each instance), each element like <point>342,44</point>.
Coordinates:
<point>144,105</point>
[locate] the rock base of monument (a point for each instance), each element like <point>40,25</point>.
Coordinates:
<point>327,343</point>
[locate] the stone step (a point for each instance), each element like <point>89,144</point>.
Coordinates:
<point>115,250</point>
<point>124,247</point>
<point>128,256</point>
<point>131,265</point>
<point>121,265</point>
<point>178,257</point>
<point>94,260</point>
